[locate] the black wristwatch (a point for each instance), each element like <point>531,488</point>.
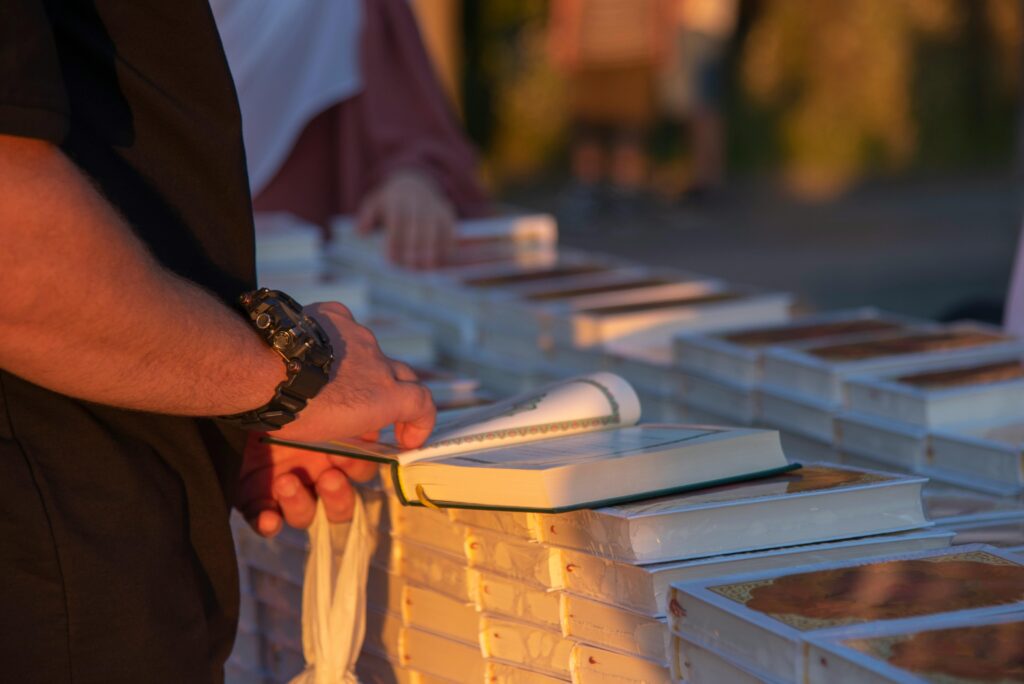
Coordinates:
<point>306,351</point>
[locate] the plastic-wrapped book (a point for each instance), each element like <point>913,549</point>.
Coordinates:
<point>948,504</point>
<point>495,594</point>
<point>693,661</point>
<point>815,503</point>
<point>504,673</point>
<point>958,392</point>
<point>736,355</point>
<point>1007,533</point>
<point>921,651</point>
<point>644,588</point>
<point>760,620</point>
<point>439,656</point>
<point>658,320</point>
<point>613,628</point>
<point>573,444</point>
<point>511,556</point>
<point>435,612</point>
<point>901,445</point>
<point>987,455</point>
<point>819,371</point>
<point>525,644</point>
<point>592,665</point>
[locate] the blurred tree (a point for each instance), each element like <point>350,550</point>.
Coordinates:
<point>512,98</point>
<point>826,92</point>
<point>863,86</point>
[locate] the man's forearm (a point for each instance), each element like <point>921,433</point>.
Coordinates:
<point>89,313</point>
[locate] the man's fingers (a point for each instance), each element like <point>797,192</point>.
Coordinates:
<point>371,436</point>
<point>295,500</point>
<point>416,421</point>
<point>426,232</point>
<point>268,523</point>
<point>355,469</point>
<point>369,215</point>
<point>396,236</point>
<point>263,516</point>
<point>336,308</point>
<point>336,493</point>
<point>411,237</point>
<point>447,242</point>
<point>403,372</point>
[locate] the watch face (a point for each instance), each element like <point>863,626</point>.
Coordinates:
<point>283,339</point>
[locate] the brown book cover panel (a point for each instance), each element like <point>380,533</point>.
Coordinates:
<point>979,653</point>
<point>906,344</point>
<point>531,275</point>
<point>981,374</point>
<point>678,302</point>
<point>886,590</point>
<point>760,337</point>
<point>624,286</point>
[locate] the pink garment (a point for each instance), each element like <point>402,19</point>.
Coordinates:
<point>400,120</point>
<point>1013,320</point>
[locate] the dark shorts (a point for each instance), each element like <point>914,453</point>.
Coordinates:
<point>99,577</point>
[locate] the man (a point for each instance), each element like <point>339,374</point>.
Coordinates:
<point>125,243</point>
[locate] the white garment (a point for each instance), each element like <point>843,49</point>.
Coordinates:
<point>291,60</point>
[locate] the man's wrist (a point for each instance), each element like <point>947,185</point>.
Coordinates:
<point>300,343</point>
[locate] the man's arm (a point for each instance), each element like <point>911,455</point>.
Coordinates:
<point>89,313</point>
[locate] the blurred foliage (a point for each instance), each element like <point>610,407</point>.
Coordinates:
<point>513,99</point>
<point>823,92</point>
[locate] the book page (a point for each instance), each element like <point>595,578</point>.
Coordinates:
<point>599,401</point>
<point>588,403</point>
<point>603,445</point>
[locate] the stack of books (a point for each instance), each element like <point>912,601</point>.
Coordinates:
<point>915,651</point>
<point>804,390</point>
<point>580,594</point>
<point>785,626</point>
<point>583,595</point>
<point>290,257</point>
<point>953,422</point>
<point>724,370</point>
<point>520,311</point>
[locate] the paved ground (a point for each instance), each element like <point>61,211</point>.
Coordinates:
<point>923,247</point>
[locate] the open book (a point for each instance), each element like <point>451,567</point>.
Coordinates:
<point>573,444</point>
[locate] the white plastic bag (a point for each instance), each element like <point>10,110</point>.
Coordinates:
<point>334,597</point>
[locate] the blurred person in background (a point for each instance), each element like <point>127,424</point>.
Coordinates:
<point>692,85</point>
<point>608,51</point>
<point>342,113</point>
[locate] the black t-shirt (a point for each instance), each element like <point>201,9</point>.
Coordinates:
<point>137,93</point>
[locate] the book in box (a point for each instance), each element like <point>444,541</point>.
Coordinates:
<point>902,445</point>
<point>820,371</point>
<point>735,355</point>
<point>965,651</point>
<point>1007,533</point>
<point>761,619</point>
<point>644,588</point>
<point>813,504</point>
<point>658,321</point>
<point>959,392</point>
<point>988,456</point>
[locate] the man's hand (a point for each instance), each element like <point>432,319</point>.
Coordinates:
<point>280,484</point>
<point>367,391</point>
<point>418,219</point>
